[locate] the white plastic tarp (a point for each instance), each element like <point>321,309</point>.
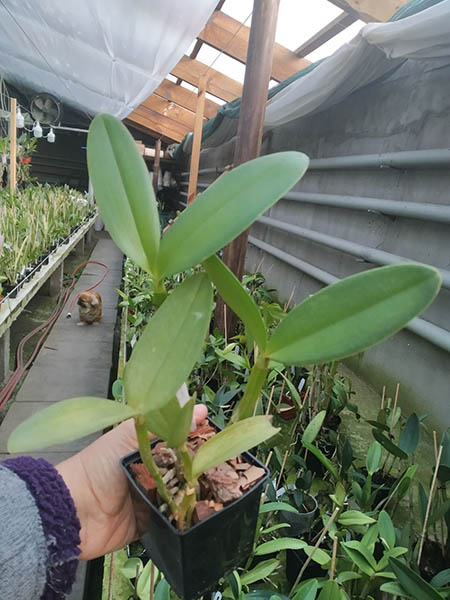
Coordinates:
<point>97,55</point>
<point>373,52</point>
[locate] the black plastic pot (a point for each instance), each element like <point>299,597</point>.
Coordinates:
<point>302,522</point>
<point>193,561</point>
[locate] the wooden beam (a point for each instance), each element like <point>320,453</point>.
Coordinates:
<point>170,110</point>
<point>197,141</point>
<point>219,85</point>
<point>371,10</point>
<point>163,126</point>
<point>184,97</point>
<point>251,120</point>
<point>338,24</point>
<point>230,36</point>
<point>12,146</point>
<point>156,165</point>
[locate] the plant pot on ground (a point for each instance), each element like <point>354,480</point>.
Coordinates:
<point>224,522</point>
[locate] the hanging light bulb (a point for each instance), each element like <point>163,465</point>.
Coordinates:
<point>20,121</point>
<point>51,136</point>
<point>37,130</point>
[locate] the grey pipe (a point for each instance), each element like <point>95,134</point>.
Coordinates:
<point>372,255</point>
<point>438,158</point>
<point>411,210</point>
<point>439,213</point>
<point>430,332</point>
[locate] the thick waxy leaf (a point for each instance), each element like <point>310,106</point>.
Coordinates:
<point>353,314</point>
<point>67,421</point>
<point>307,590</point>
<point>313,427</point>
<point>230,442</point>
<point>409,438</point>
<point>262,570</point>
<point>171,343</point>
<point>354,517</point>
<point>171,422</point>
<point>412,583</point>
<point>330,591</point>
<point>373,458</point>
<point>388,445</point>
<point>280,544</point>
<point>123,191</point>
<point>235,295</point>
<point>386,529</point>
<point>271,506</point>
<point>227,208</point>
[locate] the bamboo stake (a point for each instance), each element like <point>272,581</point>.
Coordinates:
<point>270,400</point>
<point>197,141</point>
<point>319,541</point>
<point>382,397</point>
<point>333,557</point>
<point>394,409</point>
<point>430,500</point>
<point>13,146</point>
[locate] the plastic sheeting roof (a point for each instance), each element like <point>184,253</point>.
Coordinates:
<point>96,55</point>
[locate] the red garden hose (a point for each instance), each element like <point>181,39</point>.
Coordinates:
<point>45,327</point>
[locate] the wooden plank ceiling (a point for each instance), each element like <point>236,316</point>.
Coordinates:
<point>169,113</point>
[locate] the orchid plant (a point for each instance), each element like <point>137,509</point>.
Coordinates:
<point>338,321</point>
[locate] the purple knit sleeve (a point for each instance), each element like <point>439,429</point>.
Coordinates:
<point>59,521</point>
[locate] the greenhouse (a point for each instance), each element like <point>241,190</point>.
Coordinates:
<point>224,300</point>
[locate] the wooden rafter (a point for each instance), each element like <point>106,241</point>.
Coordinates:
<point>184,97</point>
<point>371,10</point>
<point>158,124</point>
<point>170,110</point>
<point>329,31</point>
<point>228,35</point>
<point>219,85</point>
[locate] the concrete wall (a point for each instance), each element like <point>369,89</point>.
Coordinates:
<point>409,110</point>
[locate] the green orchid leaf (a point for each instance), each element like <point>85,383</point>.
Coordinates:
<point>171,343</point>
<point>373,458</point>
<point>354,517</point>
<point>412,583</point>
<point>313,427</point>
<point>280,544</point>
<point>123,191</point>
<point>171,422</point>
<point>306,590</point>
<point>353,314</point>
<point>272,506</point>
<point>386,529</point>
<point>227,208</point>
<point>361,556</point>
<point>388,445</point>
<point>67,421</point>
<point>409,438</point>
<point>132,567</point>
<point>162,591</point>
<point>237,298</point>
<point>262,570</point>
<point>330,591</point>
<point>230,442</point>
<point>323,459</point>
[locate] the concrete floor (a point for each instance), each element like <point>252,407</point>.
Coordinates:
<point>74,361</point>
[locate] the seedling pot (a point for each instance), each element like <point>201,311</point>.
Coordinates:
<point>302,522</point>
<point>193,561</point>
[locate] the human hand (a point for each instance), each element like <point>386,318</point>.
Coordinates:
<point>110,518</point>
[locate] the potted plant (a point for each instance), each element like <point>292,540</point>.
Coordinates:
<point>340,320</point>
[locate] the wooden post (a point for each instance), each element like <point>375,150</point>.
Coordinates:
<point>197,141</point>
<point>156,164</point>
<point>13,146</point>
<point>251,120</point>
